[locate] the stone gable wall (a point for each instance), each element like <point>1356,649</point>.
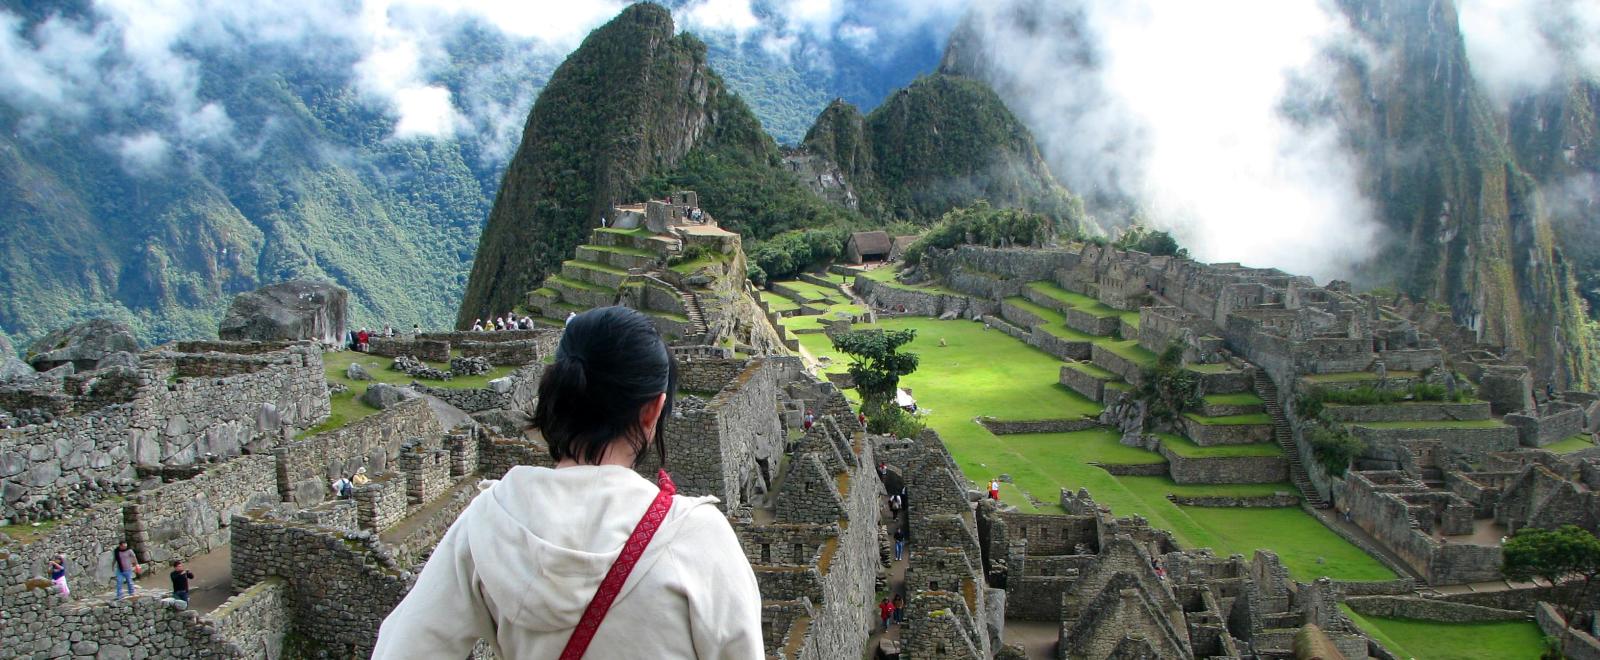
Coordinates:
<point>256,620</point>
<point>183,519</point>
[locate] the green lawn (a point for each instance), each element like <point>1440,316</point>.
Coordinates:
<point>778,303</point>
<point>1253,419</point>
<point>831,313</point>
<point>1432,640</point>
<point>1188,449</point>
<point>1130,350</point>
<point>1236,399</point>
<point>1571,444</point>
<point>1078,300</point>
<point>1217,368</point>
<point>1049,315</point>
<point>986,372</point>
<point>881,273</point>
<point>1443,424</point>
<point>1130,318</point>
<point>813,293</point>
<point>1092,369</point>
<point>347,406</point>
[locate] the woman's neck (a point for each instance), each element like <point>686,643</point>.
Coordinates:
<point>617,453</point>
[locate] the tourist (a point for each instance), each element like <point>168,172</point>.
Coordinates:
<point>343,488</point>
<point>994,489</point>
<point>361,477</point>
<point>361,340</point>
<point>522,565</point>
<point>883,469</point>
<point>894,505</point>
<point>58,574</point>
<point>180,581</point>
<point>416,330</point>
<point>570,316</point>
<point>477,326</point>
<point>886,613</point>
<point>899,541</point>
<point>862,417</point>
<point>899,608</point>
<point>126,565</point>
<point>351,344</point>
<point>810,419</point>
<point>388,331</point>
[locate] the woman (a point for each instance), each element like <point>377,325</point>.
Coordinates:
<point>521,567</point>
<point>58,574</point>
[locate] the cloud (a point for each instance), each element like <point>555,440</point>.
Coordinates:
<point>1180,107</point>
<point>1523,47</point>
<point>144,154</point>
<point>800,31</point>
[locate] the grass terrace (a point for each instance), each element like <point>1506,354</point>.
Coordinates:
<point>1130,350</point>
<point>779,303</point>
<point>1082,302</point>
<point>1433,640</point>
<point>808,322</point>
<point>986,372</point>
<point>1217,368</point>
<point>1254,419</point>
<point>1236,399</point>
<point>1188,449</point>
<point>1092,369</point>
<point>1570,444</point>
<point>618,249</point>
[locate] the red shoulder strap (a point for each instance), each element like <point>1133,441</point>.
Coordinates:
<point>611,586</point>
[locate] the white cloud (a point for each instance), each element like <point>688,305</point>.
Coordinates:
<point>143,154</point>
<point>1178,105</point>
<point>734,16</point>
<point>1522,47</point>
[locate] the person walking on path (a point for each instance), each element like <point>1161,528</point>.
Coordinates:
<point>180,581</point>
<point>899,609</point>
<point>810,418</point>
<point>127,566</point>
<point>588,556</point>
<point>994,489</point>
<point>899,541</point>
<point>886,613</point>
<point>58,574</point>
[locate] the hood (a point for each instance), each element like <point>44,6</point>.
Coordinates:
<point>542,539</point>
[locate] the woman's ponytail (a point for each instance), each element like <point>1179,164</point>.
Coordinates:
<point>611,362</point>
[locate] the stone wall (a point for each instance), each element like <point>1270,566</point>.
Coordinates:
<point>183,519</point>
<point>381,503</point>
<point>496,456</point>
<point>708,376</point>
<point>513,353</point>
<point>427,468</point>
<point>256,620</point>
<point>1066,349</point>
<point>1553,423</point>
<point>171,420</point>
<point>1226,469</point>
<point>1430,609</point>
<point>1579,644</point>
<point>1209,435</point>
<point>341,604</point>
<point>135,628</point>
<point>306,468</point>
<point>921,302</point>
<point>1374,501</point>
<point>422,349</point>
<point>1408,412</point>
<point>470,400</point>
<point>1006,427</point>
<point>732,447</point>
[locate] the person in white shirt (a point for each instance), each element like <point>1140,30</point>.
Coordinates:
<point>521,565</point>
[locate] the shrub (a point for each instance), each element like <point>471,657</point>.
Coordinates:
<point>755,274</point>
<point>1149,241</point>
<point>1334,447</point>
<point>885,418</point>
<point>1168,389</point>
<point>982,224</point>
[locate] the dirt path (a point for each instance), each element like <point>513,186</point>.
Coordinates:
<point>212,583</point>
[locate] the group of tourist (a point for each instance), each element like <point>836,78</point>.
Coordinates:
<point>893,610</point>
<point>126,567</point>
<point>505,322</point>
<point>345,487</point>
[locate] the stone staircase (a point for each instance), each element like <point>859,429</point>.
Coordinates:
<point>1285,439</point>
<point>696,314</point>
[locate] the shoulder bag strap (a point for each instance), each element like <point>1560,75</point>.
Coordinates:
<point>611,586</point>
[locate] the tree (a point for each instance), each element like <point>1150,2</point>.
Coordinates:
<point>1168,390</point>
<point>1570,552</point>
<point>876,362</point>
<point>1148,241</point>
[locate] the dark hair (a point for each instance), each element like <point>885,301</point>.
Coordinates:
<point>611,362</point>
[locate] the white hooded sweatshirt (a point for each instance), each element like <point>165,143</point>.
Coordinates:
<point>523,561</point>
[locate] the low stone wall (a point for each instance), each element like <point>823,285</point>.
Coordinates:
<point>1135,469</point>
<point>471,400</point>
<point>183,519</point>
<point>381,503</point>
<point>1066,349</point>
<point>1580,645</point>
<point>340,605</point>
<point>1008,427</point>
<point>1036,597</point>
<point>1124,368</point>
<point>513,353</point>
<point>1408,412</point>
<point>1210,435</point>
<point>1225,469</point>
<point>133,628</point>
<point>1552,427</point>
<point>1429,609</point>
<point>256,620</point>
<point>1273,501</point>
<point>708,376</point>
<point>422,349</point>
<point>427,468</point>
<point>86,538</point>
<point>1084,382</point>
<point>424,533</point>
<point>1229,409</point>
<point>1470,441</point>
<point>306,468</point>
<point>496,456</point>
<point>1226,382</point>
<point>1083,321</point>
<point>918,302</point>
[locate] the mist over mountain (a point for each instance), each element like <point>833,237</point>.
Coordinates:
<point>155,160</point>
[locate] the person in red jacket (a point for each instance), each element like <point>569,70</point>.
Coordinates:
<point>886,612</point>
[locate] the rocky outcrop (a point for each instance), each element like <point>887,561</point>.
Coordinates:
<point>11,368</point>
<point>384,395</point>
<point>82,345</point>
<point>292,311</point>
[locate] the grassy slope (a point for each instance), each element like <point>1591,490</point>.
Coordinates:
<point>988,373</point>
<point>347,406</point>
<point>1431,640</point>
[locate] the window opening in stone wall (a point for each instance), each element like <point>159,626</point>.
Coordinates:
<point>799,553</point>
<point>766,553</point>
<point>933,585</point>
